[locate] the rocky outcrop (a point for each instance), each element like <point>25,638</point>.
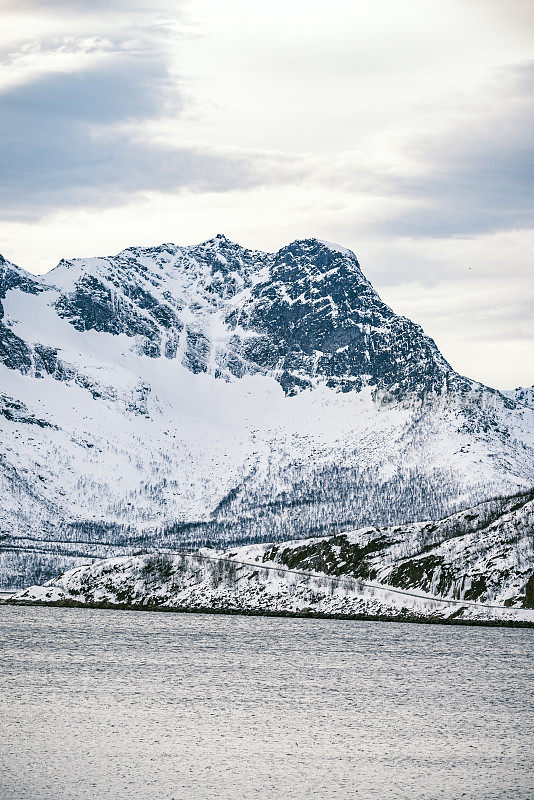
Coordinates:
<point>485,553</point>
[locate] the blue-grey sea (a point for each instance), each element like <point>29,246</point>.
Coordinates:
<point>117,705</point>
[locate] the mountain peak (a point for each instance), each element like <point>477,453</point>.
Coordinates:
<point>314,247</point>
<point>220,240</point>
<point>337,248</point>
<point>304,315</point>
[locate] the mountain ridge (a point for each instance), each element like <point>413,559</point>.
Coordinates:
<point>217,393</point>
<point>49,281</point>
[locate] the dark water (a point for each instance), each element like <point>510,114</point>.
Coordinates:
<point>104,705</point>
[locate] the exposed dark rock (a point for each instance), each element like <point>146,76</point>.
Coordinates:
<point>528,602</point>
<point>15,411</point>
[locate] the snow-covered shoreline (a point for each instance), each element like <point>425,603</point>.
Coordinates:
<point>311,615</point>
<point>209,583</point>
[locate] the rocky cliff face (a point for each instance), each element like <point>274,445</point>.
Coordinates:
<point>215,393</point>
<point>304,315</point>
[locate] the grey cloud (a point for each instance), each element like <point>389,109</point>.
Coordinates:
<point>126,88</point>
<point>61,142</point>
<point>476,177</point>
<point>75,139</point>
<point>71,139</point>
<point>479,177</point>
<point>473,192</point>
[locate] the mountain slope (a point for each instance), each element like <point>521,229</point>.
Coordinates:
<point>215,393</point>
<point>523,395</point>
<point>477,564</point>
<point>484,554</point>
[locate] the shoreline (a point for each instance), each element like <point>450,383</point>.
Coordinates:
<point>421,620</point>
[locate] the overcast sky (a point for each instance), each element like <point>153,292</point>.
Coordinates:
<point>399,128</point>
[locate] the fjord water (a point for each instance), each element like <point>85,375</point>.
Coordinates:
<point>119,705</point>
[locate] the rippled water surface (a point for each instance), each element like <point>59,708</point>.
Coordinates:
<point>106,705</point>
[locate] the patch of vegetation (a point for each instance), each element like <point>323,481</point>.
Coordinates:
<point>158,565</point>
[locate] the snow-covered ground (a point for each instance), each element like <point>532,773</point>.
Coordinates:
<point>476,564</point>
<point>208,581</point>
<point>221,394</point>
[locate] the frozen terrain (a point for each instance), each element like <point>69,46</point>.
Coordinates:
<point>477,565</point>
<point>184,396</point>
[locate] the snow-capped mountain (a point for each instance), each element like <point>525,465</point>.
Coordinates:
<point>215,393</point>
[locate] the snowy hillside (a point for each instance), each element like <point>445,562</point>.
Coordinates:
<point>478,564</point>
<point>484,554</point>
<point>216,394</point>
<point>523,395</point>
